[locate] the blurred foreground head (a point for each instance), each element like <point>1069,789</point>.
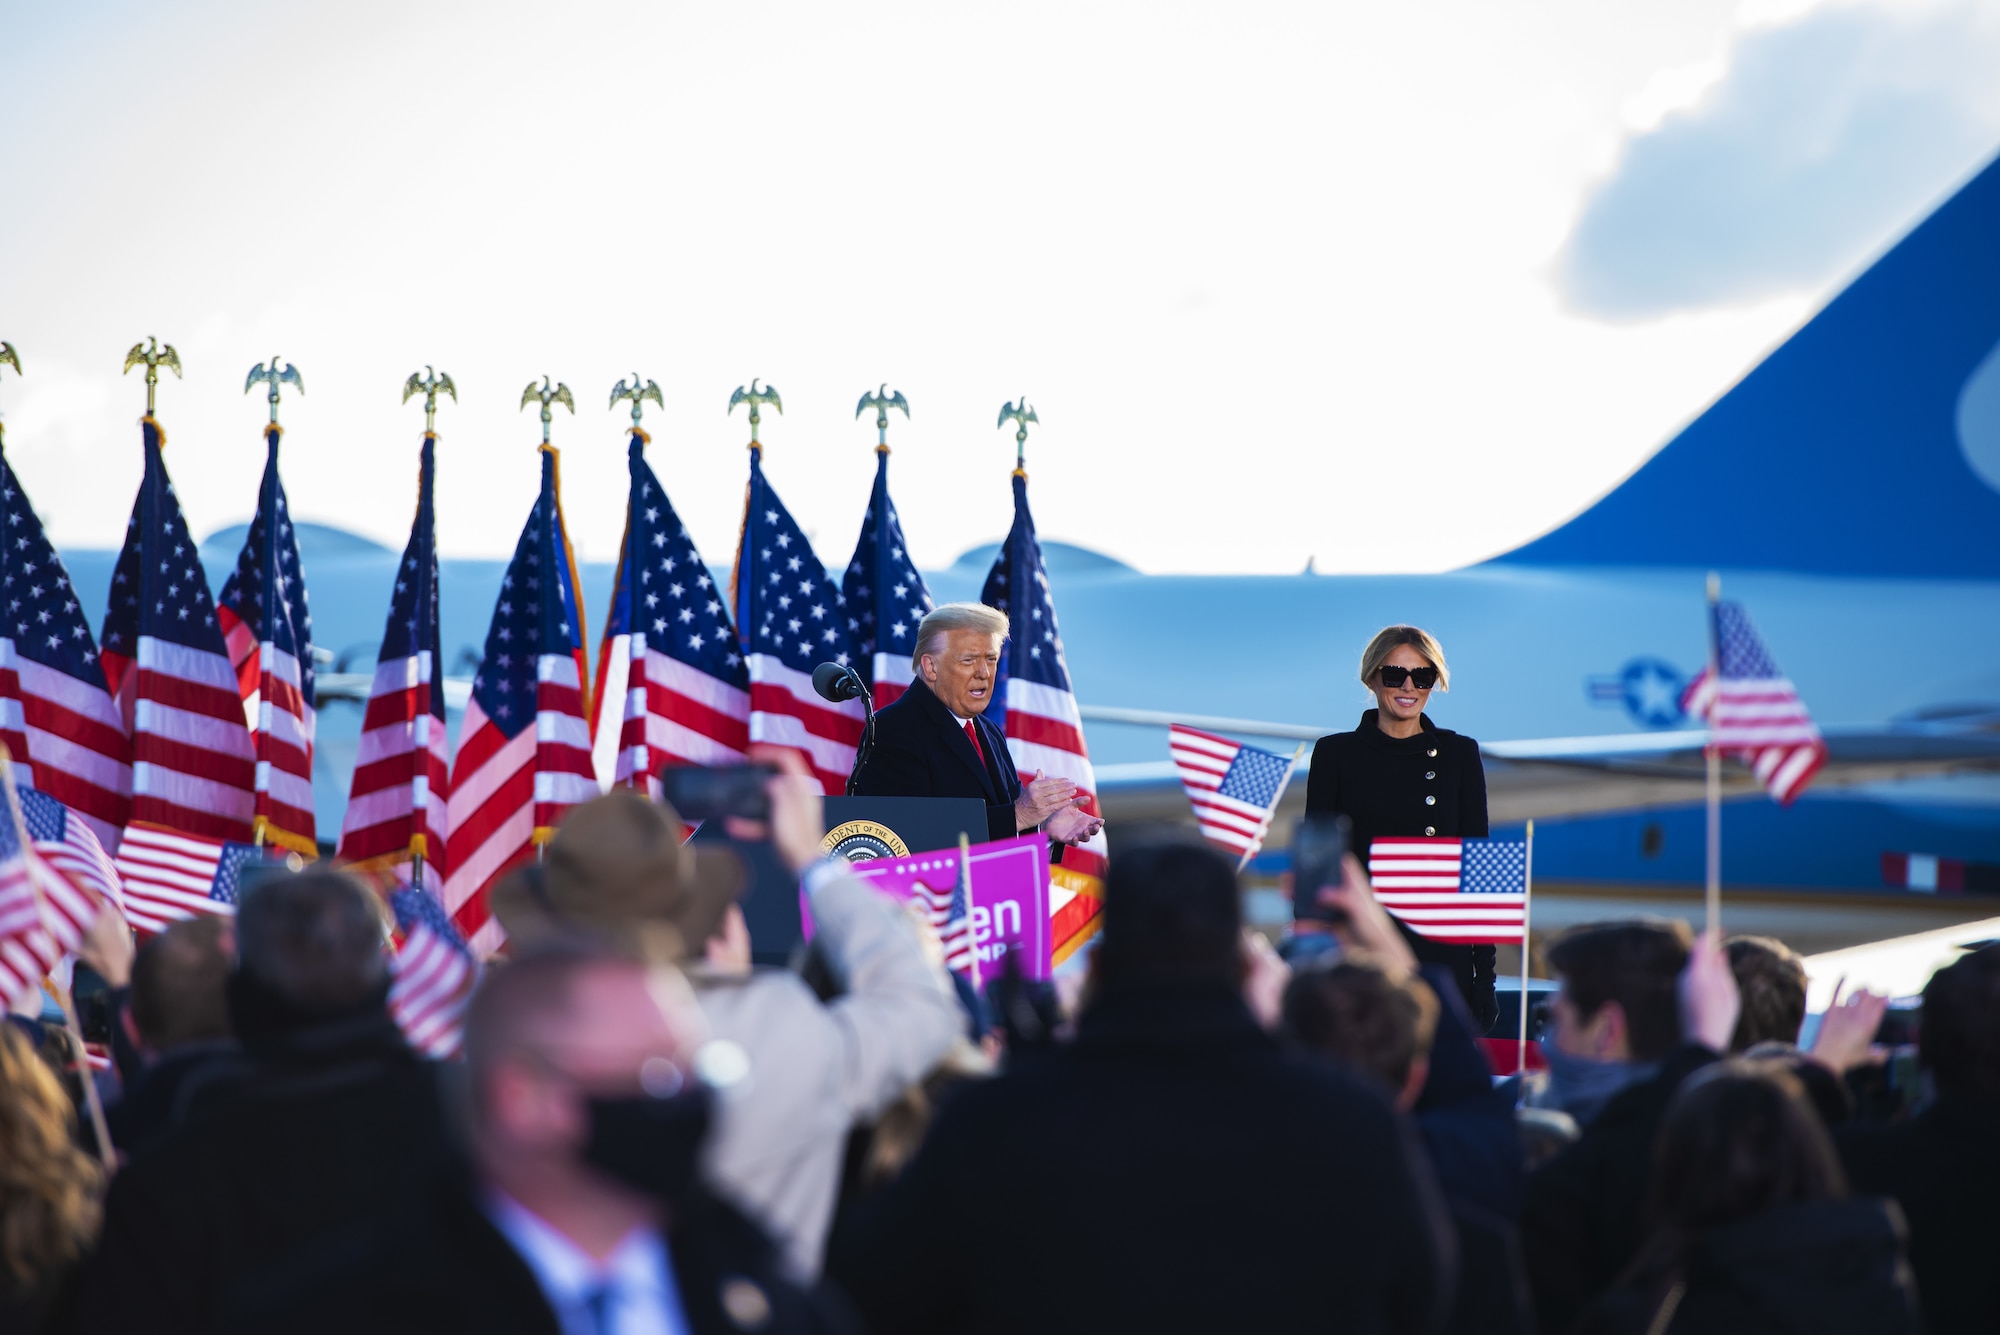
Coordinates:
<point>1171,915</point>
<point>583,1073</point>
<point>618,872</point>
<point>48,1187</point>
<point>180,984</point>
<point>308,951</point>
<point>1619,999</point>
<point>1959,1039</point>
<point>1772,980</point>
<point>1739,1139</point>
<point>1361,1016</point>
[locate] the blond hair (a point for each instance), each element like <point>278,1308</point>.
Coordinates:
<point>947,617</point>
<point>1386,642</point>
<point>48,1187</point>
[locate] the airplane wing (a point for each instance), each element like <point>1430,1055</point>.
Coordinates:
<point>1542,778</point>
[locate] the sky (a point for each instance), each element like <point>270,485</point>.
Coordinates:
<point>1382,287</point>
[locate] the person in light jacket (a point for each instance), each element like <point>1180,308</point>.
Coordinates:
<point>814,1069</point>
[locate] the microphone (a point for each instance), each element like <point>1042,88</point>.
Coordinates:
<point>837,683</point>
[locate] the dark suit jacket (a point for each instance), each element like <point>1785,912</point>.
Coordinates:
<point>1213,1182</point>
<point>921,751</point>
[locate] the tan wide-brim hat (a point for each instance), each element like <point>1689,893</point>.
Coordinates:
<point>616,870</point>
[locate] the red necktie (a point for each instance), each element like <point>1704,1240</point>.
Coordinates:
<point>972,735</point>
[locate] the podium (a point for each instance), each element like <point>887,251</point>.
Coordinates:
<point>856,828</point>
<point>893,827</point>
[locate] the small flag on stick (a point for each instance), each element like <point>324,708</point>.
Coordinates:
<point>1235,788</point>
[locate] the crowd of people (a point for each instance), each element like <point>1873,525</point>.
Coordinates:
<point>646,1133</point>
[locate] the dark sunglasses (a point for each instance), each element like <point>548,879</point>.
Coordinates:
<point>1393,677</point>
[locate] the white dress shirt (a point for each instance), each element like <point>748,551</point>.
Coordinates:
<point>637,1280</point>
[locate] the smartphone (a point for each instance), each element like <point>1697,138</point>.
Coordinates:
<point>701,793</point>
<point>1319,845</point>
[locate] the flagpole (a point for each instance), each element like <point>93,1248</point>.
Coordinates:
<point>1278,797</point>
<point>971,924</point>
<point>1527,908</point>
<point>1713,895</point>
<point>92,1103</point>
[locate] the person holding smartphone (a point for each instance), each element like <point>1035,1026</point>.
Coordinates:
<point>1398,775</point>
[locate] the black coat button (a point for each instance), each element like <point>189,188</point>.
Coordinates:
<point>1430,774</point>
<point>1430,801</point>
<point>1433,751</point>
<point>1430,829</point>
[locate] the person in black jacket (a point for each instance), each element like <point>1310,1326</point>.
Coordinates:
<point>936,741</point>
<point>1639,1012</point>
<point>1753,1232</point>
<point>1943,1165</point>
<point>329,1132</point>
<point>1400,775</point>
<point>576,1203</point>
<point>1212,1181</point>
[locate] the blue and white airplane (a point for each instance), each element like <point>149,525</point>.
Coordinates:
<point>1847,489</point>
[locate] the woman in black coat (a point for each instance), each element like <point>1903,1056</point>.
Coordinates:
<point>1398,775</point>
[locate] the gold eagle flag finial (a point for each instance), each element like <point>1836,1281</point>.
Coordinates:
<point>1021,416</point>
<point>8,357</point>
<point>756,398</point>
<point>548,397</point>
<point>882,401</point>
<point>260,374</point>
<point>430,384</point>
<point>638,392</point>
<point>153,354</point>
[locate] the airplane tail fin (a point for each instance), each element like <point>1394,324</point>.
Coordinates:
<point>1868,443</point>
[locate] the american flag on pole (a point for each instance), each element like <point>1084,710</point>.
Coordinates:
<point>524,747</point>
<point>1033,702</point>
<point>1462,890</point>
<point>886,597</point>
<point>396,801</point>
<point>57,716</point>
<point>267,625</point>
<point>672,687</point>
<point>44,913</point>
<point>433,974</point>
<point>1753,710</point>
<point>791,619</point>
<point>1234,788</point>
<point>168,875</point>
<point>194,765</point>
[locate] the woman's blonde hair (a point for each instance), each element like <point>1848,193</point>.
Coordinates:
<point>48,1187</point>
<point>1385,642</point>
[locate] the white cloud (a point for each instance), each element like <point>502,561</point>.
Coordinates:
<point>1826,137</point>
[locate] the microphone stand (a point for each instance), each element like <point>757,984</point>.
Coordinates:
<point>861,754</point>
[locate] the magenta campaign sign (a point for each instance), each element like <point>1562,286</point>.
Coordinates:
<point>1006,908</point>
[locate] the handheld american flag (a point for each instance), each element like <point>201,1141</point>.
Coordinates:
<point>1033,702</point>
<point>524,747</point>
<point>168,875</point>
<point>56,712</point>
<point>51,889</point>
<point>396,802</point>
<point>433,974</point>
<point>791,619</point>
<point>267,624</point>
<point>1462,890</point>
<point>886,597</point>
<point>672,688</point>
<point>1234,788</point>
<point>194,766</point>
<point>1753,710</point>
